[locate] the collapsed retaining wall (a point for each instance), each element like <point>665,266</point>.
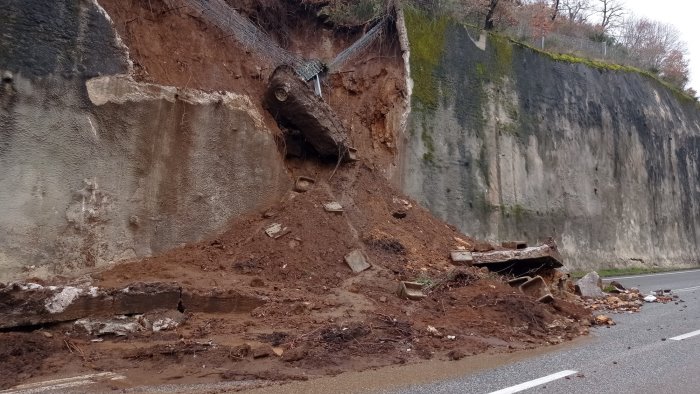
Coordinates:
<point>98,168</point>
<point>507,143</point>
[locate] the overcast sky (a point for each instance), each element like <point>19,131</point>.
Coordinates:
<point>684,15</point>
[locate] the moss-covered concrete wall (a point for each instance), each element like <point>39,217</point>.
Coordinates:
<point>509,143</point>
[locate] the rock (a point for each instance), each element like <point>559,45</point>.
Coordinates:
<point>456,355</point>
<point>356,261</point>
<point>650,298</point>
<point>262,351</point>
<point>603,320</point>
<point>434,332</point>
<point>382,299</point>
<point>294,354</point>
<point>618,288</point>
<point>240,351</point>
<point>400,214</point>
<point>590,286</point>
<point>303,184</point>
<point>257,282</point>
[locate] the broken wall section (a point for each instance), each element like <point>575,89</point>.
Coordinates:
<point>98,169</point>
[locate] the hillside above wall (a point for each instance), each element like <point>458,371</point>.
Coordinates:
<point>509,143</point>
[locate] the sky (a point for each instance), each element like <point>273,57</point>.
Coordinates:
<point>683,14</point>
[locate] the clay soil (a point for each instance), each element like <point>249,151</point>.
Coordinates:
<point>315,316</point>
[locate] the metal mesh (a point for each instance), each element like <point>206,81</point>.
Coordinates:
<point>218,13</point>
<point>358,46</point>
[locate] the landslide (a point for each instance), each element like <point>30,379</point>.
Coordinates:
<point>315,312</point>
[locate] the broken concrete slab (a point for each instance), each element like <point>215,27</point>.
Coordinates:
<point>461,256</point>
<point>520,262</point>
<point>514,244</point>
<point>411,291</point>
<point>303,184</point>
<point>590,286</point>
<point>357,261</point>
<point>32,304</point>
<point>294,104</point>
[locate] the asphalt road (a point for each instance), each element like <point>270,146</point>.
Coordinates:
<point>644,353</point>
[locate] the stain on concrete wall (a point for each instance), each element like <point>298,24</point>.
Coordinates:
<point>96,167</point>
<point>506,143</point>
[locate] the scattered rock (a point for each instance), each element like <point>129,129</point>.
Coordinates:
<point>262,351</point>
<point>303,184</point>
<point>400,214</point>
<point>434,332</point>
<point>650,298</point>
<point>294,354</point>
<point>257,282</point>
<point>456,354</point>
<point>590,286</point>
<point>275,230</point>
<point>603,320</point>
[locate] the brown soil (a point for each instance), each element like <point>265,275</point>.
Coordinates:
<point>322,317</point>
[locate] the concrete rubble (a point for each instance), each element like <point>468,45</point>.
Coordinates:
<point>520,262</point>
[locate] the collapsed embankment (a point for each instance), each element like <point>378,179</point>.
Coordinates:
<point>508,143</point>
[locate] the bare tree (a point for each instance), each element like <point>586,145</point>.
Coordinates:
<point>611,13</point>
<point>555,9</point>
<point>576,10</point>
<point>491,10</point>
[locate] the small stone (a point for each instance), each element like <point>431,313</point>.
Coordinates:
<point>294,354</point>
<point>382,299</point>
<point>257,282</point>
<point>262,351</point>
<point>456,354</point>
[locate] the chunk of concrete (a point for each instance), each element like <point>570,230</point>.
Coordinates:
<point>537,288</point>
<point>357,261</point>
<point>462,257</point>
<point>411,291</point>
<point>590,286</point>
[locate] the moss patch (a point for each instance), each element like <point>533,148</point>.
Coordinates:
<point>427,37</point>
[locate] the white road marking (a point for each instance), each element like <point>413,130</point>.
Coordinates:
<point>686,289</point>
<point>50,385</point>
<point>647,275</point>
<point>534,383</point>
<point>684,336</point>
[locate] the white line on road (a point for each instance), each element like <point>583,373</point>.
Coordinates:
<point>647,275</point>
<point>685,336</point>
<point>533,383</point>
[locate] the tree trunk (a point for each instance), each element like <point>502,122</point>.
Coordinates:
<point>488,23</point>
